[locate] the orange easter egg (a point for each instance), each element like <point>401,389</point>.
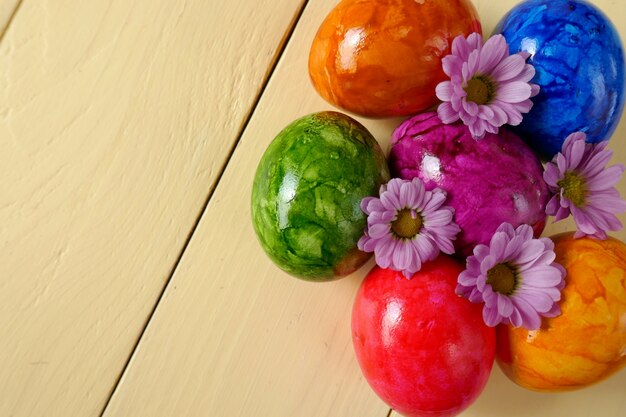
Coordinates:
<point>381,58</point>
<point>587,342</point>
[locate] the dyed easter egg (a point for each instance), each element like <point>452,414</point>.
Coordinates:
<point>587,342</point>
<point>424,350</point>
<point>307,191</point>
<point>579,61</point>
<point>382,58</point>
<point>489,181</point>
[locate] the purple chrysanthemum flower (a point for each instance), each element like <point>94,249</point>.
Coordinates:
<point>515,276</point>
<point>407,226</point>
<point>488,87</point>
<point>584,187</point>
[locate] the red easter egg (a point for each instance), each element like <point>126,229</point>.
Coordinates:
<point>424,350</point>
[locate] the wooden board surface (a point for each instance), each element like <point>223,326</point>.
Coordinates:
<point>235,336</point>
<point>116,118</point>
<point>7,10</point>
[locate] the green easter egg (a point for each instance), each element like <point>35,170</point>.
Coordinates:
<point>307,191</point>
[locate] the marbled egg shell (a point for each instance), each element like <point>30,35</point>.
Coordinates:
<point>579,61</point>
<point>587,342</point>
<point>424,350</point>
<point>489,181</point>
<point>381,58</point>
<point>307,191</point>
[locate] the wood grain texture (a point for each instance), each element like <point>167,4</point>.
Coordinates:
<point>235,336</point>
<point>7,10</point>
<point>116,118</point>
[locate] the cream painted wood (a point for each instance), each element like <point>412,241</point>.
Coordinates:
<point>7,9</point>
<point>235,336</point>
<point>115,120</point>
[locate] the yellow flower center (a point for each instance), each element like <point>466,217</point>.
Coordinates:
<point>407,224</point>
<point>502,279</point>
<point>480,90</point>
<point>574,188</point>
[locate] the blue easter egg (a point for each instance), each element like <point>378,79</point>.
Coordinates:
<point>579,60</point>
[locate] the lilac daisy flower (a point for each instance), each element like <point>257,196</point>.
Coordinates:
<point>488,87</point>
<point>407,226</point>
<point>515,276</point>
<point>584,187</point>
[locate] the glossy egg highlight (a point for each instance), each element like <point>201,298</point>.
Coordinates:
<point>380,58</point>
<point>424,350</point>
<point>587,342</point>
<point>488,182</point>
<point>579,60</point>
<point>307,191</point>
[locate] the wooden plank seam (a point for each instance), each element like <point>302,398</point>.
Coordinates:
<point>272,68</point>
<point>7,24</point>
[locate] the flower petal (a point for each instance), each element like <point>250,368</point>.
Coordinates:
<point>491,316</point>
<point>513,92</point>
<point>485,112</point>
<point>526,75</point>
<point>505,306</point>
<point>542,276</point>
<point>365,202</point>
<point>402,256</point>
<point>447,114</point>
<point>605,179</point>
<point>472,64</point>
<point>507,228</point>
<point>489,262</point>
<point>596,163</point>
<point>493,51</point>
<point>407,194</point>
<point>475,40</point>
<point>444,90</point>
<point>535,89</point>
<point>574,154</point>
<point>467,279</point>
<point>436,234</point>
<point>425,247</point>
<point>530,250</point>
<point>478,129</point>
<point>497,246</point>
<point>510,67</point>
<point>439,218</point>
<point>523,106</point>
<point>499,116</point>
<point>551,175</point>
<point>384,251</point>
<point>530,318</point>
<point>460,47</point>
<point>584,223</point>
<point>516,318</point>
<point>471,108</point>
<point>539,300</point>
<point>378,231</point>
<point>452,65</point>
<point>363,243</point>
